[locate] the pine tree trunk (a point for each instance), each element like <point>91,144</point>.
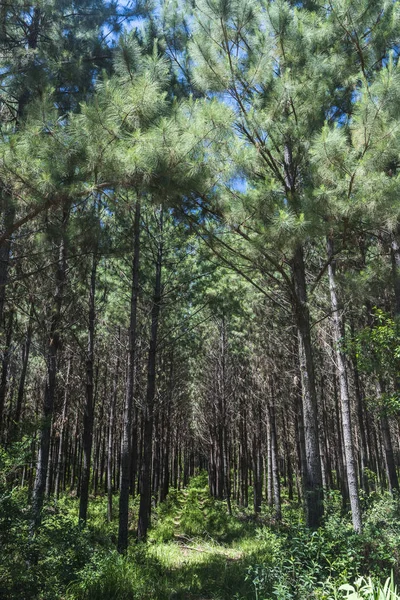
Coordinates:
<point>61,459</point>
<point>110,442</point>
<point>127,418</point>
<point>88,415</point>
<point>7,208</point>
<point>145,479</point>
<point>287,446</point>
<point>50,390</point>
<point>338,331</point>
<point>24,369</point>
<point>364,454</point>
<point>5,363</point>
<point>257,459</point>
<point>274,455</point>
<point>167,436</point>
<point>313,483</point>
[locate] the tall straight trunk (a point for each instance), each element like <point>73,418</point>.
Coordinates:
<point>257,460</point>
<point>88,415</point>
<point>134,451</point>
<point>61,458</point>
<point>24,369</point>
<point>126,446</point>
<point>338,332</point>
<point>313,480</point>
<point>300,440</point>
<point>7,208</point>
<point>10,395</point>
<point>50,466</point>
<point>274,454</point>
<point>287,447</point>
<point>103,474</point>
<point>145,479</point>
<point>50,390</point>
<point>341,478</point>
<point>155,468</point>
<point>99,437</point>
<point>225,437</point>
<point>243,456</point>
<point>324,436</point>
<point>74,453</point>
<point>110,442</point>
<point>364,454</point>
<point>166,416</point>
<point>5,363</point>
<point>270,496</point>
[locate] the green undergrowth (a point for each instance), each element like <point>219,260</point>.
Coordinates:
<point>197,551</point>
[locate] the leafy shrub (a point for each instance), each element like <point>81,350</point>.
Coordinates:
<point>314,564</point>
<point>367,589</point>
<point>111,576</point>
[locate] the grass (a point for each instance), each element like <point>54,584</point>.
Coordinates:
<point>196,551</point>
<point>203,569</point>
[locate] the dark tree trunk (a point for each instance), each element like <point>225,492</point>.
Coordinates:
<point>257,460</point>
<point>126,445</point>
<point>5,363</point>
<point>164,488</point>
<point>300,441</point>
<point>88,415</point>
<point>363,445</point>
<point>110,442</point>
<point>7,208</point>
<point>145,485</point>
<point>50,390</point>
<point>24,369</point>
<point>61,458</point>
<point>313,484</point>
<point>287,446</point>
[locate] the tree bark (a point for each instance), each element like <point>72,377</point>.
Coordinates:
<point>60,458</point>
<point>88,415</point>
<point>338,331</point>
<point>145,485</point>
<point>5,363</point>
<point>8,210</point>
<point>50,390</point>
<point>276,489</point>
<point>24,369</point>
<point>110,442</point>
<point>313,483</point>
<point>126,445</point>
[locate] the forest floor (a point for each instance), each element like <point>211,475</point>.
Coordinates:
<point>196,550</point>
<point>206,553</point>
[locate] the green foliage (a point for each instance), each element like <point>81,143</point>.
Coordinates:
<point>192,512</point>
<point>196,550</point>
<point>378,347</point>
<point>314,564</point>
<point>109,576</point>
<point>367,589</point>
<point>377,351</point>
